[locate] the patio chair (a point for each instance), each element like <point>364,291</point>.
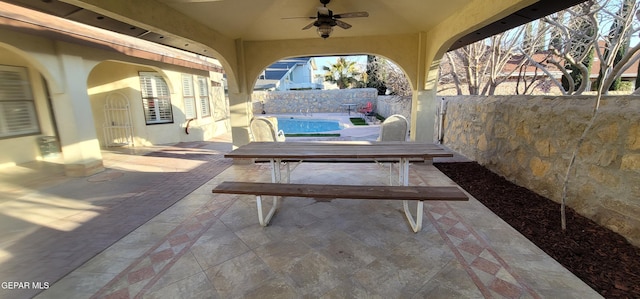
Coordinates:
<point>366,110</point>
<point>266,129</point>
<point>394,128</point>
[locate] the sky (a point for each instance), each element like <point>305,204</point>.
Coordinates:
<point>321,62</point>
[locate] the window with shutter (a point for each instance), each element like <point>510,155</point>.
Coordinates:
<point>189,97</point>
<point>203,93</point>
<point>156,99</point>
<point>17,108</point>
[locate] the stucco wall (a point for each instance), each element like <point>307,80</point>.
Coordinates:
<point>119,77</point>
<point>78,78</point>
<point>529,140</point>
<point>16,150</point>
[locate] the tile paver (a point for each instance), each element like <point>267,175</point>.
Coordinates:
<point>211,246</point>
<point>371,253</point>
<point>58,223</point>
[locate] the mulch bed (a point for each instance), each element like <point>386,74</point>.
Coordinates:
<point>600,257</point>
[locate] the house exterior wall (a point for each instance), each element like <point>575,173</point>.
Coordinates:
<point>119,77</point>
<point>26,148</point>
<point>79,78</point>
<point>300,76</point>
<point>302,73</point>
<point>529,140</point>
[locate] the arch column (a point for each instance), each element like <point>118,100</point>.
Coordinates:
<point>74,119</point>
<point>424,104</point>
<point>240,115</point>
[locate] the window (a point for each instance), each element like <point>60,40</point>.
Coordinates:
<point>203,89</point>
<point>156,99</point>
<point>17,109</point>
<point>189,97</point>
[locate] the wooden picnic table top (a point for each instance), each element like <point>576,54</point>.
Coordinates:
<point>339,149</point>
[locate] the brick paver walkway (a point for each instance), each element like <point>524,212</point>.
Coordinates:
<point>132,190</point>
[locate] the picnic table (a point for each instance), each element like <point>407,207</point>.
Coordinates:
<point>390,151</point>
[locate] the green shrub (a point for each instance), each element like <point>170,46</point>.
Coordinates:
<point>626,86</point>
<point>358,121</point>
<point>312,135</point>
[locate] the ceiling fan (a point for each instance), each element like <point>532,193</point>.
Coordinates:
<point>326,19</point>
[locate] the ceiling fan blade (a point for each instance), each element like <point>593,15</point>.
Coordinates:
<point>342,24</point>
<point>289,18</point>
<point>360,14</point>
<point>191,1</point>
<point>308,26</point>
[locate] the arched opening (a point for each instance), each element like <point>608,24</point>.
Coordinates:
<point>27,128</point>
<point>334,87</point>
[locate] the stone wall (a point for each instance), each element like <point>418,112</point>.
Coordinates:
<point>529,141</point>
<point>390,105</point>
<point>328,101</point>
<point>311,101</point>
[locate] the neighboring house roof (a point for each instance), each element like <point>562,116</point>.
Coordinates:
<point>273,76</point>
<point>541,58</point>
<point>630,72</point>
<point>263,84</point>
<point>279,69</point>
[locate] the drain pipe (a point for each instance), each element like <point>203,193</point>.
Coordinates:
<point>441,114</point>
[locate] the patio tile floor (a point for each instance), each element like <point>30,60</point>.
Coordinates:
<point>211,246</point>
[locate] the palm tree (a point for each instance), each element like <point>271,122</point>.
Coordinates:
<point>343,73</point>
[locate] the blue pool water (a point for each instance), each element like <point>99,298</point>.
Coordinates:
<point>299,125</point>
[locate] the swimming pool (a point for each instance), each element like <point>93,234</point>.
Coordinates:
<point>308,125</point>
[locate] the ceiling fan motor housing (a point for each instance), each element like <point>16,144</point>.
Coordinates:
<point>326,20</point>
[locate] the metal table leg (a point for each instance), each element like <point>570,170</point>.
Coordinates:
<point>403,176</point>
<point>276,177</point>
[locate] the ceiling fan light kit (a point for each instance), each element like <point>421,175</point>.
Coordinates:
<point>324,30</point>
<point>326,20</point>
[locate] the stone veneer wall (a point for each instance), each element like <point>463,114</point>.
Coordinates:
<point>313,101</point>
<point>390,105</point>
<point>329,101</point>
<point>529,141</point>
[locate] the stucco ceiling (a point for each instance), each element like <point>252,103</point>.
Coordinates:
<point>264,20</point>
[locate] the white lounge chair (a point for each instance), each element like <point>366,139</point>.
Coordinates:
<point>266,129</point>
<point>394,128</point>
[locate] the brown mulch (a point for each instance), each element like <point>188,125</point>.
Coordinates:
<point>600,257</point>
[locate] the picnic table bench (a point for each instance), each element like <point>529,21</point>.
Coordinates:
<point>404,193</point>
<point>402,152</point>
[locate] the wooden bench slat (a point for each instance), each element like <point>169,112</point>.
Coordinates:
<point>450,193</point>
